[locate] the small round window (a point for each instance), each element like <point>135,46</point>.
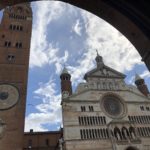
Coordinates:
<point>113,106</point>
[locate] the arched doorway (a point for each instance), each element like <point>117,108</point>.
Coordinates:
<point>131,148</point>
<point>133,22</point>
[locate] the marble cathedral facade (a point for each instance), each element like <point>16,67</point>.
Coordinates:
<point>105,113</point>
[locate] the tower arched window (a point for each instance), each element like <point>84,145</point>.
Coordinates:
<point>11,27</point>
<point>21,28</point>
<point>14,27</point>
<point>7,44</point>
<point>47,142</point>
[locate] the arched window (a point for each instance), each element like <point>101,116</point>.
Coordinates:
<point>82,120</point>
<point>30,143</point>
<point>104,133</point>
<point>85,121</point>
<point>84,134</point>
<point>81,134</point>
<point>142,118</point>
<point>99,119</point>
<point>139,132</point>
<point>134,119</point>
<point>88,121</point>
<point>117,86</point>
<point>90,134</point>
<point>107,134</point>
<point>14,27</point>
<point>21,28</point>
<point>139,119</point>
<point>147,119</point>
<point>104,120</point>
<point>47,142</point>
<point>132,132</point>
<point>83,108</point>
<point>79,118</point>
<point>96,134</point>
<point>125,133</point>
<point>87,133</point>
<point>91,120</point>
<point>117,133</point>
<point>99,133</point>
<point>11,27</point>
<point>110,86</point>
<point>104,85</point>
<point>145,131</point>
<point>129,118</point>
<point>93,133</point>
<point>148,128</point>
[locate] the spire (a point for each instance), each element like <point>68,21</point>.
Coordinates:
<point>140,83</point>
<point>99,60</point>
<point>64,71</point>
<point>137,77</point>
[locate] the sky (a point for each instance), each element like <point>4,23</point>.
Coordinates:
<point>66,35</point>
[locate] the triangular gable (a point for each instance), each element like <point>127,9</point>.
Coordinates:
<point>104,72</point>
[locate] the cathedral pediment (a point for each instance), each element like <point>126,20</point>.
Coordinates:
<point>104,72</point>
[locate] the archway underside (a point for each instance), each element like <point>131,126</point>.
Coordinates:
<point>131,18</point>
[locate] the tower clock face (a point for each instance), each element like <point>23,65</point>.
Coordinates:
<point>9,96</point>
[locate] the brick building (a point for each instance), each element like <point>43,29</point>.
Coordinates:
<point>15,36</point>
<point>42,140</point>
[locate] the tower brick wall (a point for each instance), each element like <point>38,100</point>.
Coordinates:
<point>15,27</point>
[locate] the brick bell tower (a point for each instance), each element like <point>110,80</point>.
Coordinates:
<point>142,87</point>
<point>66,87</point>
<point>15,36</point>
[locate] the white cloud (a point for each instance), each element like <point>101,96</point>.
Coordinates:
<point>45,13</point>
<point>145,74</point>
<point>117,51</point>
<point>49,111</point>
<point>77,27</point>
